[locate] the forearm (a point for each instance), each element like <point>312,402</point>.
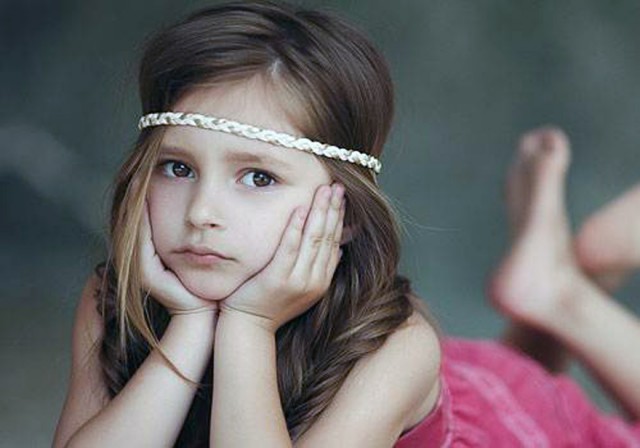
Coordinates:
<point>606,338</point>
<point>246,409</point>
<point>151,408</point>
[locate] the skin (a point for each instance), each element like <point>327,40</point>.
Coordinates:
<point>606,248</point>
<point>541,286</point>
<point>608,243</point>
<point>241,209</point>
<point>283,252</point>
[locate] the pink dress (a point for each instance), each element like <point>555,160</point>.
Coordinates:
<point>493,396</point>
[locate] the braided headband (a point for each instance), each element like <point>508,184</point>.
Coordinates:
<point>255,133</point>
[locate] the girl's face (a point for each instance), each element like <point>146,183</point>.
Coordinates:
<point>220,192</point>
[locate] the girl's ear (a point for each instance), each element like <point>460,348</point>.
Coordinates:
<point>347,234</point>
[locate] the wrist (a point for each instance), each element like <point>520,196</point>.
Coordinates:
<point>213,308</point>
<point>200,322</point>
<point>234,317</point>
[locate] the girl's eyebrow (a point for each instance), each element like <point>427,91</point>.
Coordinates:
<point>248,157</point>
<point>239,157</point>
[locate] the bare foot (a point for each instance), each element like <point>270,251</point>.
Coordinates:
<point>536,281</point>
<point>608,243</point>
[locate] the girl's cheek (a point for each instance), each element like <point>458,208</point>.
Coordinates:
<point>165,194</point>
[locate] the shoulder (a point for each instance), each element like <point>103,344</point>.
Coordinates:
<point>386,393</point>
<point>413,354</point>
<point>421,356</point>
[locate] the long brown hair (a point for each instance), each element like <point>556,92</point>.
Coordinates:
<point>336,88</point>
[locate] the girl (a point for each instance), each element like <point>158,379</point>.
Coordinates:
<point>245,301</point>
<point>214,276</point>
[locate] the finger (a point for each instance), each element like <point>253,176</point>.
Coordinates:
<point>285,257</point>
<point>329,246</point>
<point>313,234</point>
<point>336,254</point>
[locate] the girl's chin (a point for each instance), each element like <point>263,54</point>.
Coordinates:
<point>205,290</point>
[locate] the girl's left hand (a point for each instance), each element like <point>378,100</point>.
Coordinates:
<point>301,269</point>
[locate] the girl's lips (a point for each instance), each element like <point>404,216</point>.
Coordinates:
<point>202,259</point>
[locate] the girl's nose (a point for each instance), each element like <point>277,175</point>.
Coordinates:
<point>204,208</point>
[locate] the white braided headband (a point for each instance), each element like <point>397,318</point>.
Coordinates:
<point>255,133</point>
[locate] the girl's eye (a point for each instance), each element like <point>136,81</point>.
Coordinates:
<point>173,168</point>
<point>259,178</point>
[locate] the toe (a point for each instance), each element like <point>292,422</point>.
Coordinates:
<point>551,159</point>
<point>555,146</point>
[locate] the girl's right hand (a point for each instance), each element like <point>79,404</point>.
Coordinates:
<point>162,283</point>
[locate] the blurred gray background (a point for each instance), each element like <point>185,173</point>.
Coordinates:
<point>470,77</point>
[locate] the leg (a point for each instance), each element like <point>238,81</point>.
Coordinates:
<point>607,248</point>
<point>521,193</point>
<point>540,284</point>
<point>608,243</point>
